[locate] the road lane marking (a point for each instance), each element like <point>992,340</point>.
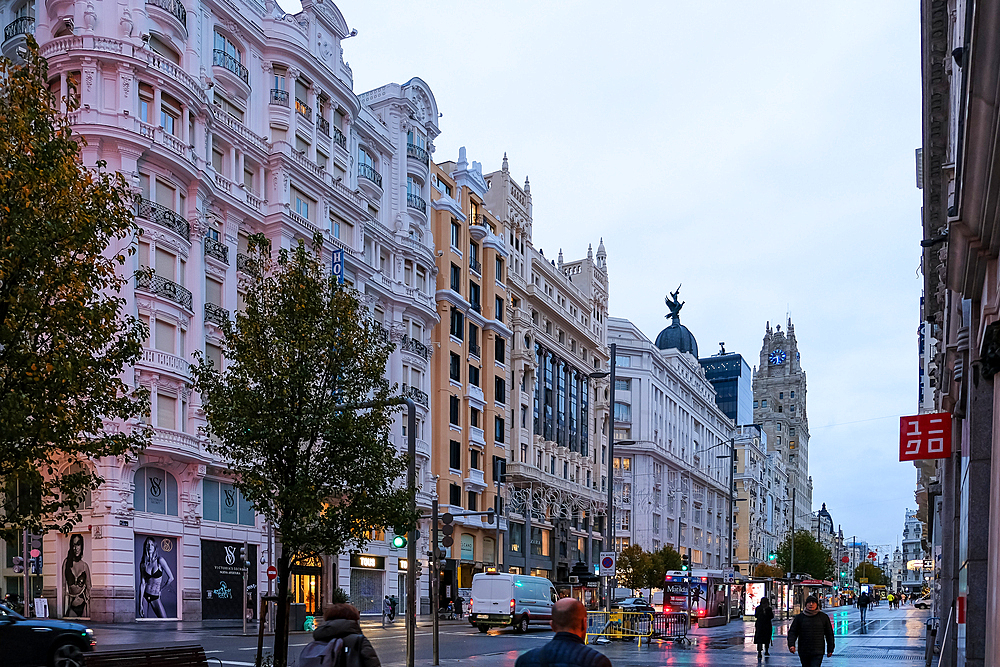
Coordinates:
<point>238,664</point>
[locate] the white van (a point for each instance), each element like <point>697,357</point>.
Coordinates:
<point>502,599</point>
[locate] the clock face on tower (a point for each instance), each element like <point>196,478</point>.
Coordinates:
<point>777,357</point>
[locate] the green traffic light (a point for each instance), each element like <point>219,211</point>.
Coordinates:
<point>772,556</point>
<point>399,541</point>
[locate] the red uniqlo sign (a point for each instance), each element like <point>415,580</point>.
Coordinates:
<point>925,437</point>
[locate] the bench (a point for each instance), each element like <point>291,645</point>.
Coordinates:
<point>192,655</point>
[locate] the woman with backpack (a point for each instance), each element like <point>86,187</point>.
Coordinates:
<point>338,642</point>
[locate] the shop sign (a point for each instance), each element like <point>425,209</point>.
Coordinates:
<point>368,562</point>
<point>925,437</point>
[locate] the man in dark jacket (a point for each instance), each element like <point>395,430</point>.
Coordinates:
<point>342,621</point>
<point>569,620</point>
<point>863,601</point>
<point>812,628</point>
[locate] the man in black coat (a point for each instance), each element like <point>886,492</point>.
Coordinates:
<point>812,629</point>
<point>569,620</point>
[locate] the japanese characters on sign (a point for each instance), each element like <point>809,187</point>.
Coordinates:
<point>925,437</point>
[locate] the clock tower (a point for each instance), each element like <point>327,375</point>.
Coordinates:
<point>779,406</point>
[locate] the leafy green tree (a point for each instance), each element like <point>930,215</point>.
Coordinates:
<point>872,573</point>
<point>768,570</point>
<point>322,475</point>
<point>633,567</point>
<point>65,231</point>
<point>664,559</point>
<point>811,557</point>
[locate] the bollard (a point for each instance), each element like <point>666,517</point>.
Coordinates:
<point>931,637</point>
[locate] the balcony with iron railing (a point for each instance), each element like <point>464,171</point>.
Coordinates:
<point>216,314</point>
<point>279,97</point>
<point>417,395</point>
<point>474,350</point>
<point>217,249</point>
<point>160,286</point>
<point>324,125</point>
<point>303,109</point>
<point>416,347</point>
<point>339,138</point>
<point>368,172</point>
<point>418,153</point>
<point>163,216</point>
<point>475,266</point>
<point>172,7</point>
<point>382,333</point>
<point>22,25</point>
<point>416,201</point>
<point>245,264</point>
<point>231,64</point>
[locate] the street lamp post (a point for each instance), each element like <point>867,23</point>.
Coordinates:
<point>610,529</point>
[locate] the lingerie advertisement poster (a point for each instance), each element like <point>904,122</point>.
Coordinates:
<point>155,577</point>
<point>222,580</point>
<point>76,577</point>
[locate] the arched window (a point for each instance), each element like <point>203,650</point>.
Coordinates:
<point>86,500</point>
<point>155,491</point>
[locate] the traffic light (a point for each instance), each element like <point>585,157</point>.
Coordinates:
<point>772,556</point>
<point>417,569</point>
<point>448,529</point>
<point>399,541</point>
<point>243,555</point>
<point>18,565</point>
<point>685,563</point>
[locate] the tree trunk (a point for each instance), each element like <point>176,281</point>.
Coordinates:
<point>282,613</point>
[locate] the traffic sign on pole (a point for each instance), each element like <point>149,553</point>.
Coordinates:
<point>272,572</point>
<point>608,561</point>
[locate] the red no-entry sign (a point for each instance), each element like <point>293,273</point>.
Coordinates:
<point>272,572</point>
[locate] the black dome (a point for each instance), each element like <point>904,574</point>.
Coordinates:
<point>677,336</point>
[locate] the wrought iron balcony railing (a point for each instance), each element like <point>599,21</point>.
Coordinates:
<point>174,7</point>
<point>476,265</point>
<point>216,314</point>
<point>279,97</point>
<point>164,217</point>
<point>368,171</point>
<point>245,264</point>
<point>474,350</point>
<point>303,109</point>
<point>231,63</point>
<point>339,138</point>
<point>382,332</point>
<point>416,201</point>
<point>217,249</point>
<point>22,25</point>
<point>417,395</point>
<point>324,125</point>
<point>168,289</point>
<point>418,152</point>
<point>416,347</point>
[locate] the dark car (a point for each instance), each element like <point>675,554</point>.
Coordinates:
<point>633,604</point>
<point>42,642</point>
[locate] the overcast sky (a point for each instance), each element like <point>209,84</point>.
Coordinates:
<point>760,153</point>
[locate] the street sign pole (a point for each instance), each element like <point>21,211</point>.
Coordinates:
<point>27,576</point>
<point>435,581</point>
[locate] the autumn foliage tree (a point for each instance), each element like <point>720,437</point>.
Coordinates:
<point>811,557</point>
<point>65,231</point>
<point>322,475</point>
<point>664,559</point>
<point>632,567</point>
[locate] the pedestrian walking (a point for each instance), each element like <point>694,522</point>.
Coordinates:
<point>386,611</point>
<point>339,641</point>
<point>566,649</point>
<point>863,601</point>
<point>811,630</point>
<point>763,631</point>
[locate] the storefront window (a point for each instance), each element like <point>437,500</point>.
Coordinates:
<point>155,491</point>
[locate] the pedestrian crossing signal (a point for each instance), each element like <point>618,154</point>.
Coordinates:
<point>399,541</point>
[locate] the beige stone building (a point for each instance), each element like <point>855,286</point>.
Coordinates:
<point>557,454</point>
<point>469,373</point>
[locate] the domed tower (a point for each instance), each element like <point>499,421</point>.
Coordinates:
<point>676,336</point>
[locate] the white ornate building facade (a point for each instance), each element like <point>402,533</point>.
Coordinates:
<point>670,487</point>
<point>231,120</point>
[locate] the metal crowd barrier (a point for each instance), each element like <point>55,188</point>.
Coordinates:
<point>623,625</point>
<point>671,626</point>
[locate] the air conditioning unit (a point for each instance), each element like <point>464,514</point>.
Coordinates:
<point>573,579</point>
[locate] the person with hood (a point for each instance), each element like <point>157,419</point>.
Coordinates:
<point>763,631</point>
<point>811,629</point>
<point>342,621</point>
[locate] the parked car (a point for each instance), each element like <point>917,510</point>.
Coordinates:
<point>923,603</point>
<point>504,599</point>
<point>633,604</point>
<point>37,642</point>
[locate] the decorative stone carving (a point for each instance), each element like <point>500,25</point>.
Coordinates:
<point>125,24</point>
